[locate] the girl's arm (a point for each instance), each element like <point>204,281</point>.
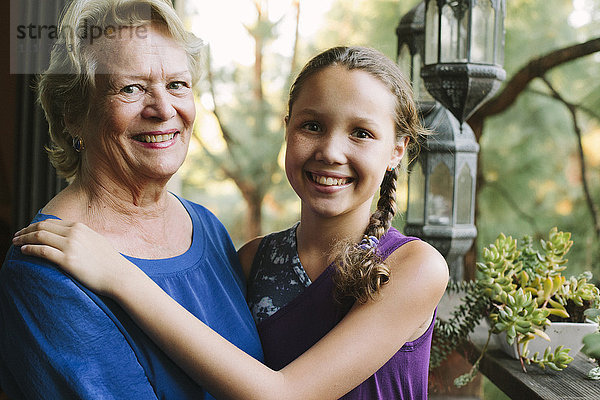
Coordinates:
<point>358,346</point>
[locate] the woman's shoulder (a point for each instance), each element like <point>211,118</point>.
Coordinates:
<point>196,207</point>
<point>64,205</point>
<point>42,216</point>
<point>200,213</point>
<point>23,274</point>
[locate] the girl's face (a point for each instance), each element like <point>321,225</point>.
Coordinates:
<point>340,141</point>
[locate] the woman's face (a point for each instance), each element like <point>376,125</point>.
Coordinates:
<point>340,141</point>
<point>142,110</point>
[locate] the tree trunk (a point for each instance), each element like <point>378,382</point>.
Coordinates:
<point>258,54</point>
<point>252,190</point>
<point>253,226</point>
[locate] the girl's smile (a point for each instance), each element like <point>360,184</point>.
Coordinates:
<point>340,140</point>
<point>327,182</point>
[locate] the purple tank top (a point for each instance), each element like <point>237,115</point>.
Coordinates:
<point>303,321</point>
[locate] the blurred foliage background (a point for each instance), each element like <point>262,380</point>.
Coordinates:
<point>530,177</point>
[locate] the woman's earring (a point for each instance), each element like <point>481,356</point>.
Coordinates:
<point>78,144</point>
<point>390,169</point>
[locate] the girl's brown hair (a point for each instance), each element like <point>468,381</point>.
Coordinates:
<point>360,270</point>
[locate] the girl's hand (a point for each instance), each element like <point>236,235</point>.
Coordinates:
<point>78,250</point>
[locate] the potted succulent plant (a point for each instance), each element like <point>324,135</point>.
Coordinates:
<point>521,291</point>
<point>591,348</point>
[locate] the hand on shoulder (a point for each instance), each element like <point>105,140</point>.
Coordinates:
<point>78,250</point>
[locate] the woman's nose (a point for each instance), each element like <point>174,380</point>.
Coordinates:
<point>159,105</point>
<point>330,149</point>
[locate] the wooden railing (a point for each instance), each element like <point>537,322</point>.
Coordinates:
<point>506,373</point>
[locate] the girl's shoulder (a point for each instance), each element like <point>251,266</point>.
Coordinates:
<point>391,241</point>
<point>419,258</point>
<point>411,249</point>
<point>248,251</point>
<point>246,254</point>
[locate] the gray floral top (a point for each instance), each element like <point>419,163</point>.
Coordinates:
<point>276,276</point>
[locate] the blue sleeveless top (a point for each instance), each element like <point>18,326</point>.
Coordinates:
<point>290,323</point>
<point>59,340</point>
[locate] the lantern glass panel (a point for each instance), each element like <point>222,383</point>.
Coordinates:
<point>431,33</point>
<point>482,33</point>
<point>420,91</point>
<point>464,194</point>
<point>454,33</point>
<point>416,195</point>
<point>439,201</point>
<point>404,61</point>
<point>499,39</point>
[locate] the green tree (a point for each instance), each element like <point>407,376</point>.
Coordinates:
<point>363,23</point>
<point>533,172</point>
<point>252,122</point>
<point>530,175</point>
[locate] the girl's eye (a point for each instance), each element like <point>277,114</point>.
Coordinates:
<point>132,89</point>
<point>177,85</point>
<point>362,134</point>
<point>311,126</point>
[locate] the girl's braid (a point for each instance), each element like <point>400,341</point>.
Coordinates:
<point>361,272</point>
<point>381,219</point>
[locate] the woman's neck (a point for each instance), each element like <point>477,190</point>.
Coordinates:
<point>156,226</point>
<point>98,199</point>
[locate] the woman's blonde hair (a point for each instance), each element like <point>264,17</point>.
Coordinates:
<point>360,271</point>
<point>64,89</point>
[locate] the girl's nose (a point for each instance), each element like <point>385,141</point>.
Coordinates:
<point>330,149</point>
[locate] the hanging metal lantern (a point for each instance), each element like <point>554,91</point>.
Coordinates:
<point>441,189</point>
<point>411,43</point>
<point>464,52</point>
<point>458,47</point>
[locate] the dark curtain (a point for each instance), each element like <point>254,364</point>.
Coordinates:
<point>35,180</point>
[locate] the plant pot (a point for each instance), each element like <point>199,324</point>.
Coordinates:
<point>566,334</point>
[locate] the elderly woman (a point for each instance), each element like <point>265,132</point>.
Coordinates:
<point>119,102</point>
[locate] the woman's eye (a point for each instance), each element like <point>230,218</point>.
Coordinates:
<point>362,134</point>
<point>177,85</point>
<point>311,126</point>
<point>131,89</point>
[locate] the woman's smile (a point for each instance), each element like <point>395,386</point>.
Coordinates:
<point>157,140</point>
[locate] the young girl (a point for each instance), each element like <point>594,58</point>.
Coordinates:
<point>344,303</point>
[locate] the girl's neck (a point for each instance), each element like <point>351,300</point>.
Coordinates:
<point>318,237</point>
